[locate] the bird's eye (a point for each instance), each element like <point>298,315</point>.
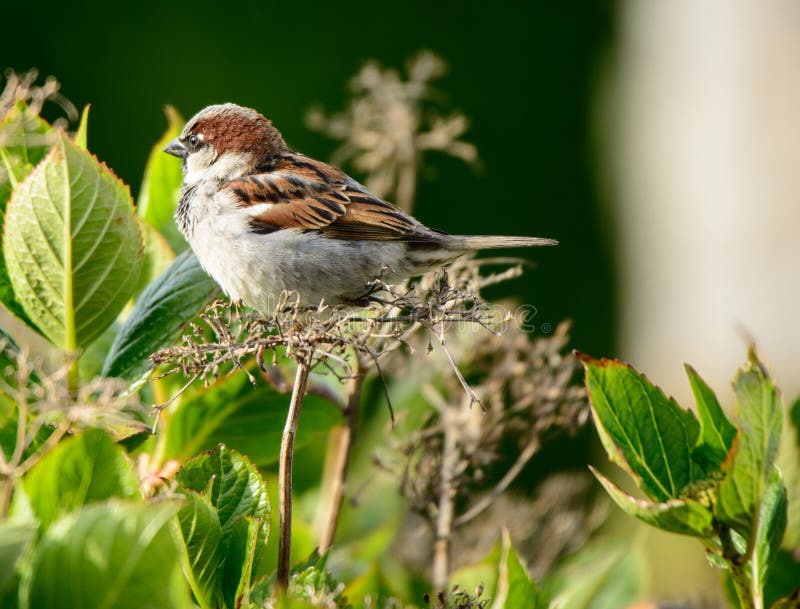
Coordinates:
<point>194,141</point>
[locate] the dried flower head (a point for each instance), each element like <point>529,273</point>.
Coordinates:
<point>330,338</point>
<point>528,388</point>
<point>390,123</point>
<point>23,87</point>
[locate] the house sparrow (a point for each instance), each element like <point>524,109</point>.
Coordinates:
<point>263,218</point>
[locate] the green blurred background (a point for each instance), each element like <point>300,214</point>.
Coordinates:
<point>524,73</point>
<point>683,114</point>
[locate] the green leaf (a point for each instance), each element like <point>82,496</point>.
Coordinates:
<point>161,311</point>
<point>71,245</point>
<point>605,573</point>
<point>246,417</point>
<point>237,489</point>
<point>161,185</point>
<point>80,470</point>
<point>239,496</point>
<point>759,418</point>
<point>81,135</point>
<point>717,433</point>
<point>15,538</point>
<point>789,463</point>
<point>304,535</point>
<point>483,573</point>
<point>681,516</point>
<point>515,588</point>
<point>783,580</point>
<point>158,255</point>
<point>25,139</point>
<point>642,430</point>
<point>113,554</point>
<point>245,548</point>
<point>202,536</point>
<point>770,528</point>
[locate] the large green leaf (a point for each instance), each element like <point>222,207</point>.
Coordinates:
<point>161,185</point>
<point>110,555</point>
<point>760,419</point>
<point>161,311</point>
<point>642,430</point>
<point>245,548</point>
<point>682,516</point>
<point>80,470</point>
<point>202,536</point>
<point>717,433</point>
<point>25,139</point>
<point>245,417</point>
<point>237,492</point>
<point>605,573</point>
<point>158,255</point>
<point>71,245</point>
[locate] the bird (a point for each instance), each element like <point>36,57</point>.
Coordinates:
<point>263,218</point>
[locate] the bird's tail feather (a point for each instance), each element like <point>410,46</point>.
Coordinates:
<point>486,242</point>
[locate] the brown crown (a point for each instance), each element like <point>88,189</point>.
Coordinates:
<point>232,128</point>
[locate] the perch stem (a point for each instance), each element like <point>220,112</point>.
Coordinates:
<point>285,473</point>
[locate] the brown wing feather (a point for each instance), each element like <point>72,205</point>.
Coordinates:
<point>310,195</point>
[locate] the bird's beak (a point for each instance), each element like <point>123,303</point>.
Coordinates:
<point>175,148</point>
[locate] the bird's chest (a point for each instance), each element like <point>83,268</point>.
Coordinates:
<point>220,235</point>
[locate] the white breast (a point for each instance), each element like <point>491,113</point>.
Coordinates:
<point>255,268</point>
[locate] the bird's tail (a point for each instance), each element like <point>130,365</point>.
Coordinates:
<point>487,242</point>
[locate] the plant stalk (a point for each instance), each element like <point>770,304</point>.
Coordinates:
<point>444,516</point>
<point>341,443</point>
<point>742,584</point>
<point>285,474</point>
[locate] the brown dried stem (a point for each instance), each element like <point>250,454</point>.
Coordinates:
<point>347,343</point>
<point>447,494</point>
<point>340,450</point>
<point>285,473</point>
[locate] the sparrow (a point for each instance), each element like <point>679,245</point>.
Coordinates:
<point>263,218</point>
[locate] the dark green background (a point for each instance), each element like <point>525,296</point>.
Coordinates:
<point>524,73</point>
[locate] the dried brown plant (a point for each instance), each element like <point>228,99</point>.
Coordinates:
<point>335,338</point>
<point>390,123</point>
<point>46,410</point>
<point>529,391</point>
<point>344,341</point>
<point>23,87</point>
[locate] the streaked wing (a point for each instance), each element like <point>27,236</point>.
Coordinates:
<point>302,193</point>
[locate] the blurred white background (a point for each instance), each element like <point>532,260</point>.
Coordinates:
<point>705,137</point>
<point>702,122</point>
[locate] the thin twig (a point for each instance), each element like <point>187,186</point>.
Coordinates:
<point>285,473</point>
<point>473,397</point>
<point>487,500</point>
